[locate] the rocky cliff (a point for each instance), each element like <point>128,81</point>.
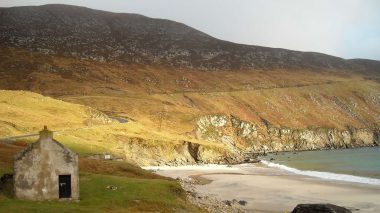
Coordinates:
<point>243,136</point>
<point>243,141</point>
<point>143,152</point>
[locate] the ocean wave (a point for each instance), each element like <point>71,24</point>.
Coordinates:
<point>325,175</point>
<point>206,167</point>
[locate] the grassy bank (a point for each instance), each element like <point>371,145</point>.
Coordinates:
<point>87,131</point>
<point>137,190</point>
<point>132,195</point>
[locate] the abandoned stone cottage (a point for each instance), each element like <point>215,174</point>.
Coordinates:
<point>46,170</point>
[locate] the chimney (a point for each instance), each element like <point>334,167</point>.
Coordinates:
<point>46,134</point>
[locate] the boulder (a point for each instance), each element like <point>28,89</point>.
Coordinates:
<point>319,208</point>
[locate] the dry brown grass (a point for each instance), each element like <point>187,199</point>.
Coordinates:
<point>164,104</point>
<point>26,112</point>
<point>8,151</point>
<point>350,103</point>
<point>57,76</point>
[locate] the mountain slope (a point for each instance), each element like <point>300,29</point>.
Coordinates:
<point>188,97</point>
<point>130,38</point>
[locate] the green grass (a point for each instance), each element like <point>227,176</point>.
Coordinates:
<point>138,190</point>
<point>79,145</point>
<point>4,170</point>
<point>132,195</point>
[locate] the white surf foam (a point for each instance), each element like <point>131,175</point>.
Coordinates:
<point>325,175</point>
<point>208,167</point>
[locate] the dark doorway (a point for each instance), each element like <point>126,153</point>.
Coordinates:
<point>64,184</point>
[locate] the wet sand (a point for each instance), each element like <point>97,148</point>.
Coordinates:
<point>273,190</point>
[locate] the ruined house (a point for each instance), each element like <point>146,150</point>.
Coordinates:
<point>46,170</point>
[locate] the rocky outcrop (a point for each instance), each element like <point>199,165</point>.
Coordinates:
<point>243,136</point>
<point>145,152</point>
<point>96,117</point>
<point>317,208</point>
<point>208,201</point>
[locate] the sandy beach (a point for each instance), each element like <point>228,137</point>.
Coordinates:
<point>273,190</point>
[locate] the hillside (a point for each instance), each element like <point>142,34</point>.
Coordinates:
<point>135,39</point>
<point>88,131</point>
<point>137,190</point>
<point>26,112</point>
<point>187,97</point>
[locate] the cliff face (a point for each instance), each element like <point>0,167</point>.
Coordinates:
<point>241,140</point>
<point>144,152</point>
<point>243,136</point>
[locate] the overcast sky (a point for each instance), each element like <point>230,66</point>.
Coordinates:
<point>344,28</point>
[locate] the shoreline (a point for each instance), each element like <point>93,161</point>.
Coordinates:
<point>324,175</point>
<point>260,154</point>
<point>267,189</point>
<point>256,157</point>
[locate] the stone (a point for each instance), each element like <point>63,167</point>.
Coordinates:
<point>111,187</point>
<point>244,136</point>
<point>319,208</point>
<point>242,202</point>
<point>227,202</point>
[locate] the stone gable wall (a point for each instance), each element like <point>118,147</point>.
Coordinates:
<point>37,168</point>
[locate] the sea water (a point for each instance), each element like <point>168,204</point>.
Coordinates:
<point>360,165</point>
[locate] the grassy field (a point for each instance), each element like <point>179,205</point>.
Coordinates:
<point>85,130</point>
<point>137,190</point>
<point>26,112</point>
<point>132,195</point>
<point>336,105</point>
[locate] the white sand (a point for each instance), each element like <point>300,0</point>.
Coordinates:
<point>274,190</point>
